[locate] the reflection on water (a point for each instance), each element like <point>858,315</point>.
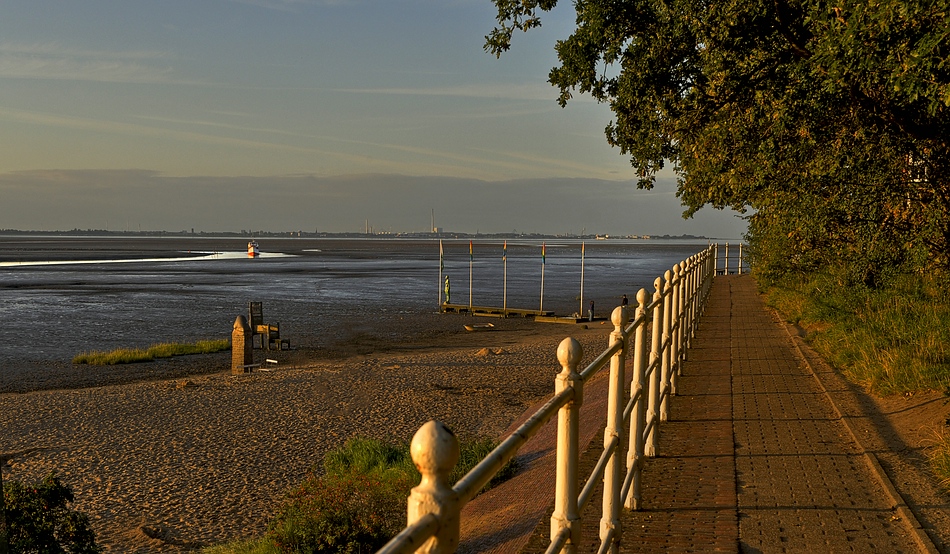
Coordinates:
<point>56,309</point>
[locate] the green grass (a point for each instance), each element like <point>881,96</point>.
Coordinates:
<point>890,341</point>
<point>163,350</point>
<point>357,504</point>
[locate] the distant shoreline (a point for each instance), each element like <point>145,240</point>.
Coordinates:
<point>102,233</point>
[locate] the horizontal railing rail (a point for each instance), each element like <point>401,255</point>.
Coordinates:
<point>668,321</point>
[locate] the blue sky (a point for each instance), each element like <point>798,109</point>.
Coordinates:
<point>154,114</point>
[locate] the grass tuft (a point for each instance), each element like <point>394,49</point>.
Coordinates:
<point>940,459</point>
<point>162,350</point>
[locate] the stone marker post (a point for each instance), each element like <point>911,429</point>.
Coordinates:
<point>241,353</point>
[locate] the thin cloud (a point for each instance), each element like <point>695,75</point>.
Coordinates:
<point>55,61</point>
<point>530,91</point>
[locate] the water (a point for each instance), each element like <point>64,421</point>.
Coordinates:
<point>184,290</point>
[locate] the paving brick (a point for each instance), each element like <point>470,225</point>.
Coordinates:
<point>754,458</point>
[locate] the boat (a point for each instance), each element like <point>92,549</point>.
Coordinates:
<point>253,249</point>
<point>480,327</point>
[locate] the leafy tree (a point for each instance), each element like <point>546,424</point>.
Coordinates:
<point>38,519</point>
<point>828,122</point>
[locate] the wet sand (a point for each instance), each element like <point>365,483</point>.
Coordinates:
<point>183,454</point>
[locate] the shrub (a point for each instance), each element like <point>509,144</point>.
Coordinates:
<point>39,521</point>
<point>345,514</point>
<point>359,502</point>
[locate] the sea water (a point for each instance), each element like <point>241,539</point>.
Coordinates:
<point>87,300</point>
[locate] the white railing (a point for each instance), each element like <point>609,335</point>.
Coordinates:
<point>678,301</point>
<point>726,269</point>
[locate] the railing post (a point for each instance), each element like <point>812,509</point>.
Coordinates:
<point>676,332</point>
<point>653,392</point>
<point>667,348</point>
<point>726,272</point>
<point>435,450</point>
<point>566,515</point>
<point>740,258</point>
<point>638,418</point>
<point>613,433</point>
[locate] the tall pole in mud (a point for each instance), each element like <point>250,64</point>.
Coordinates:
<point>441,268</point>
<point>504,258</point>
<point>541,307</point>
<point>471,258</point>
<point>581,309</point>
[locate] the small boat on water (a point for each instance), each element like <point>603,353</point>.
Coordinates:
<point>253,249</point>
<point>480,327</point>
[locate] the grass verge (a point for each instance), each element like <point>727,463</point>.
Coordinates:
<point>890,341</point>
<point>163,350</point>
<point>357,504</point>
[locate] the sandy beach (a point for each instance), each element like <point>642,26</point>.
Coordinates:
<point>183,453</point>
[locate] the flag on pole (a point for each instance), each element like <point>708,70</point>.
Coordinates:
<point>504,252</point>
<point>542,253</point>
<point>441,257</point>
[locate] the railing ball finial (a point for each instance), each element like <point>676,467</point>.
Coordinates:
<point>677,269</point>
<point>642,297</point>
<point>618,317</point>
<point>434,449</point>
<point>569,353</point>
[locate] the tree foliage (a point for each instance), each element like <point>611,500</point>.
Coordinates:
<point>828,122</point>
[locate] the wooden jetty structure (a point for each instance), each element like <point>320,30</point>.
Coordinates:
<point>488,311</point>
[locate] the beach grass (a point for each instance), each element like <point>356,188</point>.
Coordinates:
<point>162,350</point>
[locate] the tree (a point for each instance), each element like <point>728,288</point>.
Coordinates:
<point>829,123</point>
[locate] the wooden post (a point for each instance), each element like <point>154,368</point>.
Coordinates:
<point>241,353</point>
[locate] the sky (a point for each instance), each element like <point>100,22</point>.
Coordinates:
<point>329,115</point>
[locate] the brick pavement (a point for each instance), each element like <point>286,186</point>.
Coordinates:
<point>755,458</point>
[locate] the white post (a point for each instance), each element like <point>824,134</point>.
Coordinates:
<point>504,257</point>
<point>740,258</point>
<point>435,450</point>
<point>613,432</point>
<point>666,352</point>
<point>638,418</point>
<point>726,271</point>
<point>471,260</point>
<point>541,305</point>
<point>653,391</point>
<point>580,312</point>
<point>676,326</point>
<point>441,267</point>
<point>566,515</point>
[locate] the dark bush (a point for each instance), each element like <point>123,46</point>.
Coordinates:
<point>39,521</point>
